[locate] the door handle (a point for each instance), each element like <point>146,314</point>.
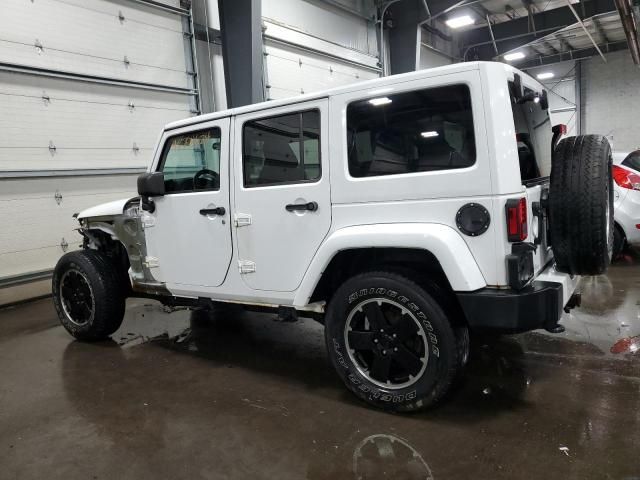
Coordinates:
<point>298,207</point>
<point>213,211</point>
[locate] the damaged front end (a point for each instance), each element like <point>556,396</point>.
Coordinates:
<point>118,230</point>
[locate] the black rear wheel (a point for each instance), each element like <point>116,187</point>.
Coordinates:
<point>391,342</point>
<point>87,295</point>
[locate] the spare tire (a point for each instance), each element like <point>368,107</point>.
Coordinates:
<point>581,205</point>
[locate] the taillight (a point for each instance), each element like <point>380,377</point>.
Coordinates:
<point>625,178</point>
<point>516,219</point>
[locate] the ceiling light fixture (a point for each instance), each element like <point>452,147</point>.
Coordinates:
<point>514,56</point>
<point>379,101</point>
<point>545,75</point>
<point>429,134</point>
<point>461,21</point>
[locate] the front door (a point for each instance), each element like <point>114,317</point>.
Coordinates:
<point>189,235</point>
<point>282,195</point>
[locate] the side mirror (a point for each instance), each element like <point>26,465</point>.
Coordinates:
<point>150,185</point>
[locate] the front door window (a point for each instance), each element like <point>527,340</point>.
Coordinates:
<point>191,162</point>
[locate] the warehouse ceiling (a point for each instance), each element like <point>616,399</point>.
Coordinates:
<point>545,31</point>
<point>574,41</point>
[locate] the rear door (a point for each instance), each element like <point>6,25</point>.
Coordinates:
<point>282,196</point>
<point>534,137</point>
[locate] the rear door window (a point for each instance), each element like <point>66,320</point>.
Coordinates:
<point>534,136</point>
<point>282,149</point>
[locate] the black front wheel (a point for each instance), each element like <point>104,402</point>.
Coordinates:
<point>391,342</point>
<point>87,296</point>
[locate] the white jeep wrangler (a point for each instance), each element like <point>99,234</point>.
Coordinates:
<point>401,212</point>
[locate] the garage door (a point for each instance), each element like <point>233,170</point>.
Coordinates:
<point>314,46</point>
<point>82,107</point>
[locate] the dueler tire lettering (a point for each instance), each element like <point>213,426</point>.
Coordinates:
<point>443,357</point>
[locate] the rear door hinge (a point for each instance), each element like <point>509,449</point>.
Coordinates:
<point>246,266</point>
<point>242,220</point>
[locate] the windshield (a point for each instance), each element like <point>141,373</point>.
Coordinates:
<point>633,160</point>
<point>534,136</point>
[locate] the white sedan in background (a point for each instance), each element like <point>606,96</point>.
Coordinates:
<point>626,196</point>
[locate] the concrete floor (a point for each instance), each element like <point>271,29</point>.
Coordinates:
<point>183,395</point>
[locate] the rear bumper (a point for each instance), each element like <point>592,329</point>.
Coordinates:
<point>539,305</point>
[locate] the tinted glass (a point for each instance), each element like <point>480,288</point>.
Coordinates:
<point>534,136</point>
<point>282,149</point>
<point>418,131</point>
<point>633,160</point>
<point>192,162</point>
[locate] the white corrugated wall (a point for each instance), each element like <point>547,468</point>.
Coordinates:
<point>85,88</point>
<point>312,46</point>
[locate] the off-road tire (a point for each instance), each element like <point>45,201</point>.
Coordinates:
<point>108,302</point>
<point>581,205</point>
<point>446,352</point>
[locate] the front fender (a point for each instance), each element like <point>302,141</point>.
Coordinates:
<point>442,241</point>
<point>108,209</point>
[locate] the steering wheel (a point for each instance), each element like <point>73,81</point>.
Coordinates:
<point>206,178</point>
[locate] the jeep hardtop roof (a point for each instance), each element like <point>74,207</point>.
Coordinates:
<point>376,83</point>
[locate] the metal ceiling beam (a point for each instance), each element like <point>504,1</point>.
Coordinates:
<point>519,39</point>
<point>600,30</point>
<point>586,30</point>
<point>481,10</point>
<point>577,54</point>
<point>551,47</point>
<point>629,23</point>
<point>545,22</point>
<point>564,43</point>
<point>443,8</point>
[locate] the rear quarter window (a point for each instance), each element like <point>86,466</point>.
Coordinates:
<point>417,131</point>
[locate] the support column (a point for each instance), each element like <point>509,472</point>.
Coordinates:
<point>404,39</point>
<point>241,30</point>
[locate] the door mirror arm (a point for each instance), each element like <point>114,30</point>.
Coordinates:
<point>147,204</point>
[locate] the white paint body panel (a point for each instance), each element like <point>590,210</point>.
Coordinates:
<point>282,243</point>
<point>626,206</point>
<point>404,211</point>
<point>105,209</point>
<point>569,283</point>
<point>193,250</point>
<point>443,241</point>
